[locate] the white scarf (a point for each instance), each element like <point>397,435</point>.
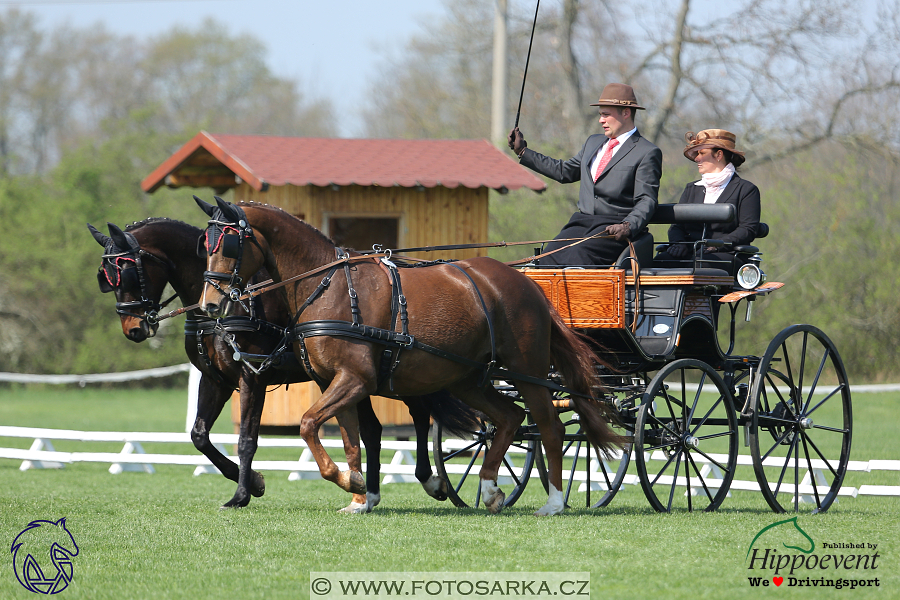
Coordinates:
<point>715,183</point>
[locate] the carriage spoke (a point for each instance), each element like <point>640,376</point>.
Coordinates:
<point>797,474</point>
<point>700,477</point>
<point>787,461</point>
<point>512,472</point>
<point>821,456</point>
<point>690,417</point>
<point>724,468</point>
<point>453,455</point>
<point>777,443</point>
<point>664,467</point>
<point>840,388</point>
<point>809,466</point>
<point>572,472</point>
<point>465,475</point>
<point>815,382</point>
<point>706,416</point>
<point>674,483</point>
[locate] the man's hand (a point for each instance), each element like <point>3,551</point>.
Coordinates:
<point>678,250</point>
<point>517,141</point>
<point>620,230</point>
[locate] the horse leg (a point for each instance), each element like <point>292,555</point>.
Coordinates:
<point>253,396</point>
<point>370,431</point>
<point>506,417</point>
<point>344,392</point>
<point>211,399</point>
<point>433,485</point>
<point>350,433</point>
<point>540,404</point>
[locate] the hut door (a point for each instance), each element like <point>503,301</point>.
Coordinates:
<point>360,233</point>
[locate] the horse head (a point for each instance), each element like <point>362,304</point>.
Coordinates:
<point>138,283</point>
<point>234,254</point>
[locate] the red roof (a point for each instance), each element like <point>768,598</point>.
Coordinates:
<point>262,160</point>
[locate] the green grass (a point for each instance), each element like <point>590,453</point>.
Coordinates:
<point>161,535</point>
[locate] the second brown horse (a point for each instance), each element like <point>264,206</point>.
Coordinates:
<point>477,310</point>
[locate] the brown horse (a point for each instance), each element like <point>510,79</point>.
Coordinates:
<point>480,311</point>
<point>138,264</point>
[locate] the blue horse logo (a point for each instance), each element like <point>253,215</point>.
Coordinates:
<point>37,542</point>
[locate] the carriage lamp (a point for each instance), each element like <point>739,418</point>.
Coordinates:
<point>750,276</point>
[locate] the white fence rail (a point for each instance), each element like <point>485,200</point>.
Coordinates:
<point>401,467</point>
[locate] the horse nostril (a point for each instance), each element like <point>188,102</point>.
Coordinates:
<point>212,310</point>
<point>136,334</point>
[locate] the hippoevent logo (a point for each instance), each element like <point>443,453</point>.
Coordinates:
<point>42,556</point>
<point>784,554</point>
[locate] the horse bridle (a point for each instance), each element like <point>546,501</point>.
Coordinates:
<point>232,247</point>
<point>134,254</point>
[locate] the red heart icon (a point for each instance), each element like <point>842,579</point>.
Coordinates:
<point>778,580</point>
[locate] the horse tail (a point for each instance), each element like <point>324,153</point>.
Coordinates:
<point>574,358</point>
<point>455,416</point>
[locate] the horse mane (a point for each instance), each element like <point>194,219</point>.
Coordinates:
<point>152,220</point>
<point>296,218</point>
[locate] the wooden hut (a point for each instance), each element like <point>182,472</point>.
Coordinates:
<point>359,192</point>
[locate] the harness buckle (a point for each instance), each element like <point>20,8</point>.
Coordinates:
<point>405,340</point>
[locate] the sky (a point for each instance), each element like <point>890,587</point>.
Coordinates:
<point>330,46</point>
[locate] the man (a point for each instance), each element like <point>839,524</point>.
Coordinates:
<point>619,173</point>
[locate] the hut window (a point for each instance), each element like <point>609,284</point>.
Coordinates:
<point>360,233</point>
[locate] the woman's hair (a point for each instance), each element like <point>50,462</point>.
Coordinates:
<point>729,157</point>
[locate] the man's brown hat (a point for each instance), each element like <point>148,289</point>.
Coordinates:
<point>712,138</point>
<point>618,95</point>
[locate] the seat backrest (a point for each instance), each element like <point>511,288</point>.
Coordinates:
<point>643,248</point>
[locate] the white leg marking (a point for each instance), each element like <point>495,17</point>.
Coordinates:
<point>355,508</point>
<point>492,495</point>
<point>555,504</point>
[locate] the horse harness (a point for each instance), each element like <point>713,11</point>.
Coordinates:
<point>393,341</point>
<point>114,273</point>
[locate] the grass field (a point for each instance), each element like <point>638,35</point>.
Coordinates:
<point>162,535</point>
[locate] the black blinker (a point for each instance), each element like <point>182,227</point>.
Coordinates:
<point>130,280</point>
<point>105,286</point>
<point>201,246</point>
<point>231,246</point>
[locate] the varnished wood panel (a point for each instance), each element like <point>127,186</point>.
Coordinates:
<point>695,304</point>
<point>585,298</point>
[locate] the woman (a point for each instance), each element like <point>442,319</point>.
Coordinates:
<point>717,161</point>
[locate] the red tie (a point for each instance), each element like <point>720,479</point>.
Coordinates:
<point>604,159</point>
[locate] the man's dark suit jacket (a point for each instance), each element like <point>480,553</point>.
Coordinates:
<point>740,192</point>
<point>626,191</point>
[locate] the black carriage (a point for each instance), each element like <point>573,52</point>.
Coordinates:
<point>688,406</point>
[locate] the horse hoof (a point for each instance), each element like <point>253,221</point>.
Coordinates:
<point>555,504</point>
<point>356,483</point>
<point>257,484</point>
<point>436,488</point>
<point>355,508</point>
<point>493,496</point>
<point>373,500</point>
<point>235,503</point>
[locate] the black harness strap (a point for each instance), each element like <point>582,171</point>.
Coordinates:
<point>490,366</point>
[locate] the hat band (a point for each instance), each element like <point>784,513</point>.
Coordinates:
<point>614,101</point>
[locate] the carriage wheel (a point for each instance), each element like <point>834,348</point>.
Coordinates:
<point>801,425</point>
<point>458,461</point>
<point>686,438</point>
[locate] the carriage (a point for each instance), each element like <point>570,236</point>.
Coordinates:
<point>689,405</point>
<point>686,405</point>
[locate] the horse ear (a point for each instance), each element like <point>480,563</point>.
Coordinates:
<point>225,207</point>
<point>205,206</point>
<point>118,236</point>
<point>101,239</point>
